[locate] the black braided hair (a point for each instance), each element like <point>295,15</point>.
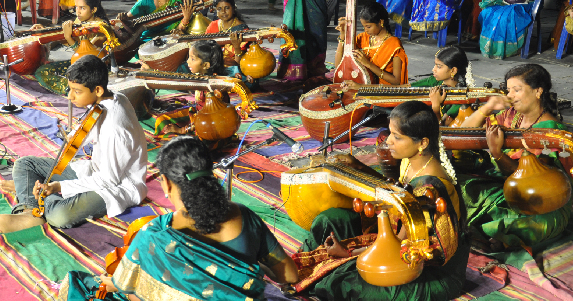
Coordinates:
<point>203,197</point>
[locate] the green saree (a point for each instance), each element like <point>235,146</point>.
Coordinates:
<point>489,213</point>
<point>437,282</point>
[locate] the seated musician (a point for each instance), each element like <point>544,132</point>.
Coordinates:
<point>208,249</point>
<point>145,7</point>
<point>376,48</point>
<point>205,58</point>
<point>414,138</point>
<point>230,20</point>
<point>52,75</point>
<point>451,69</point>
<point>112,181</point>
<point>488,212</point>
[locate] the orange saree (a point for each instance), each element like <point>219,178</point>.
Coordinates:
<point>383,56</point>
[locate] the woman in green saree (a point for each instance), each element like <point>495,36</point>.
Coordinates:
<point>488,212</point>
<point>414,138</point>
<point>208,249</point>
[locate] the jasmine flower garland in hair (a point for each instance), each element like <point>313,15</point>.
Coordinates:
<point>446,163</point>
<point>470,82</point>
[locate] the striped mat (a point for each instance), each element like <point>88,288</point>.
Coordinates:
<point>35,260</point>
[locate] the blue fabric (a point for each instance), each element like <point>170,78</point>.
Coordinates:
<point>432,15</point>
<point>398,9</point>
<point>503,29</point>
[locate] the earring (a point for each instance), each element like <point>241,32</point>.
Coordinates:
<point>420,150</point>
<point>452,75</point>
<point>166,196</point>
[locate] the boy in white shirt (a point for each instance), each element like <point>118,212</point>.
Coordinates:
<point>112,181</point>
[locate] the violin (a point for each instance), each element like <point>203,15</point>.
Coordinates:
<point>113,259</point>
<point>68,151</point>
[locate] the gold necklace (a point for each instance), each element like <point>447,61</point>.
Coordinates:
<point>419,171</point>
<point>372,40</point>
<point>227,30</point>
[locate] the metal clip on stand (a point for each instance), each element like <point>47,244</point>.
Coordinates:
<point>327,141</point>
<point>9,108</point>
<point>228,163</point>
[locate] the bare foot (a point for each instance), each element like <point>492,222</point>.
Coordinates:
<point>173,128</point>
<point>16,222</point>
<point>7,186</point>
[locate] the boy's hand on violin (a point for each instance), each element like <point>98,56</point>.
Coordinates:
<point>334,248</point>
<point>108,283</point>
<point>50,188</point>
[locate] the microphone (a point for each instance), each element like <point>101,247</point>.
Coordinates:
<point>296,147</point>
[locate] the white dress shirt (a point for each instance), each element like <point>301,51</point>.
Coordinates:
<point>118,165</point>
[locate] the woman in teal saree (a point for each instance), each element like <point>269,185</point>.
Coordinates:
<point>209,248</point>
<point>488,212</point>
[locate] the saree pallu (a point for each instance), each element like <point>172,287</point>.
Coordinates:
<point>345,283</point>
<point>306,21</point>
<point>432,15</point>
<point>399,10</point>
<point>503,29</point>
<point>383,56</point>
<point>489,213</point>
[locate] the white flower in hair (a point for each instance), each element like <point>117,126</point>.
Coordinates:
<point>446,163</point>
<point>470,82</point>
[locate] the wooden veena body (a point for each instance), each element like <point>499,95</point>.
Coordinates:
<point>330,103</point>
<point>166,53</point>
<point>136,83</point>
<point>308,191</point>
<point>28,45</point>
<point>128,32</point>
<point>349,68</point>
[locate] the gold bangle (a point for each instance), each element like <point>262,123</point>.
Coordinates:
<point>484,115</point>
<point>497,159</point>
<point>382,75</point>
<point>339,39</point>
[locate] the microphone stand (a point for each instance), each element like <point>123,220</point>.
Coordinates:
<point>327,141</point>
<point>9,108</point>
<point>228,163</point>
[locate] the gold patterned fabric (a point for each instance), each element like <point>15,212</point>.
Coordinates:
<point>164,264</point>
